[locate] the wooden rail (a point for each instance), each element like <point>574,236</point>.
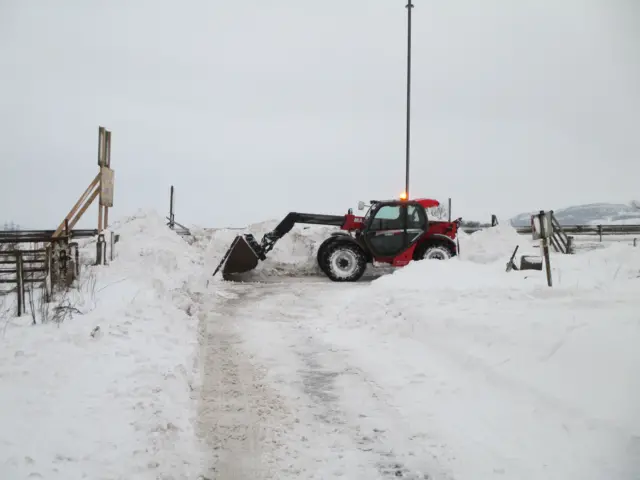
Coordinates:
<point>40,236</point>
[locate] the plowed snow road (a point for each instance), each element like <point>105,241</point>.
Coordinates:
<point>278,402</point>
<point>484,383</point>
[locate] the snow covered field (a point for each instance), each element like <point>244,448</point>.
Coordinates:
<point>454,370</point>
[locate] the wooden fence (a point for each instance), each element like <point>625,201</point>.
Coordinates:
<point>35,257</point>
<point>20,267</point>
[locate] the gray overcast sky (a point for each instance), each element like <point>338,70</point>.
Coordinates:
<point>255,108</point>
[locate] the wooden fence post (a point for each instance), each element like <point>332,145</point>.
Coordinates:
<point>171,214</point>
<point>544,238</point>
<point>101,250</point>
<point>48,280</point>
<point>20,282</point>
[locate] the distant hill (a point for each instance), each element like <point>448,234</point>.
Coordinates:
<point>590,214</point>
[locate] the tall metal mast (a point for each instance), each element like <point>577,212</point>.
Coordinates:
<point>409,7</point>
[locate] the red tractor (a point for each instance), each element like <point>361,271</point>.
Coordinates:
<point>392,232</point>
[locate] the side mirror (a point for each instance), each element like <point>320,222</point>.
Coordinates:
<point>361,205</point>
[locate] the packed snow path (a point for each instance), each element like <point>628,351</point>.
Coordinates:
<point>298,384</point>
<point>278,402</point>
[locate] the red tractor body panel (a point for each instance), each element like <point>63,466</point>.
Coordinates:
<point>427,202</point>
<point>401,260</point>
<point>352,223</point>
<point>449,229</point>
<point>405,257</point>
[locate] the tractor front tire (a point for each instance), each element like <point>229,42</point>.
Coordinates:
<point>343,261</point>
<point>322,253</point>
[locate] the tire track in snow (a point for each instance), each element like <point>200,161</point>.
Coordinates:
<point>377,427</point>
<point>240,418</point>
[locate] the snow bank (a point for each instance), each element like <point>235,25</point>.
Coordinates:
<point>107,393</point>
<point>493,244</point>
<point>613,267</point>
<point>454,275</point>
<point>513,378</point>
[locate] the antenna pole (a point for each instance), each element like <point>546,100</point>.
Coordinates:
<point>409,7</point>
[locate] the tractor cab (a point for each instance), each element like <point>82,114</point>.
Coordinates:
<point>391,227</point>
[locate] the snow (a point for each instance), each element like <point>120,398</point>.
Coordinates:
<point>493,244</point>
<point>514,378</point>
<point>448,369</point>
<point>115,404</point>
<point>459,369</point>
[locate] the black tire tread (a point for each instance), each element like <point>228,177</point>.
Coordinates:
<point>423,247</point>
<point>331,247</point>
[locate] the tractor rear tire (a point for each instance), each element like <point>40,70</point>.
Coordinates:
<point>343,261</point>
<point>434,251</point>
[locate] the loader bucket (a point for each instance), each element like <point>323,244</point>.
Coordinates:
<point>240,257</point>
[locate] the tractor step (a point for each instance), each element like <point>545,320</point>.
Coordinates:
<point>243,255</point>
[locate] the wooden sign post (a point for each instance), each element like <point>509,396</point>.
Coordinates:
<point>106,178</point>
<point>101,185</point>
<point>543,229</point>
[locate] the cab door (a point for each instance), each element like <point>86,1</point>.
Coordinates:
<point>394,227</point>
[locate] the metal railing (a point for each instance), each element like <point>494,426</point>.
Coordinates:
<point>596,230</point>
<point>181,230</point>
<point>40,236</point>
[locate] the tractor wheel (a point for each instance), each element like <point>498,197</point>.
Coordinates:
<point>343,261</point>
<point>321,254</point>
<point>434,251</point>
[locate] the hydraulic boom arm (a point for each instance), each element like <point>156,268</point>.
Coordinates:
<point>245,252</point>
<point>287,223</point>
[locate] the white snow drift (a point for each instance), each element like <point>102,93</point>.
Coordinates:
<point>513,378</point>
<point>115,404</point>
